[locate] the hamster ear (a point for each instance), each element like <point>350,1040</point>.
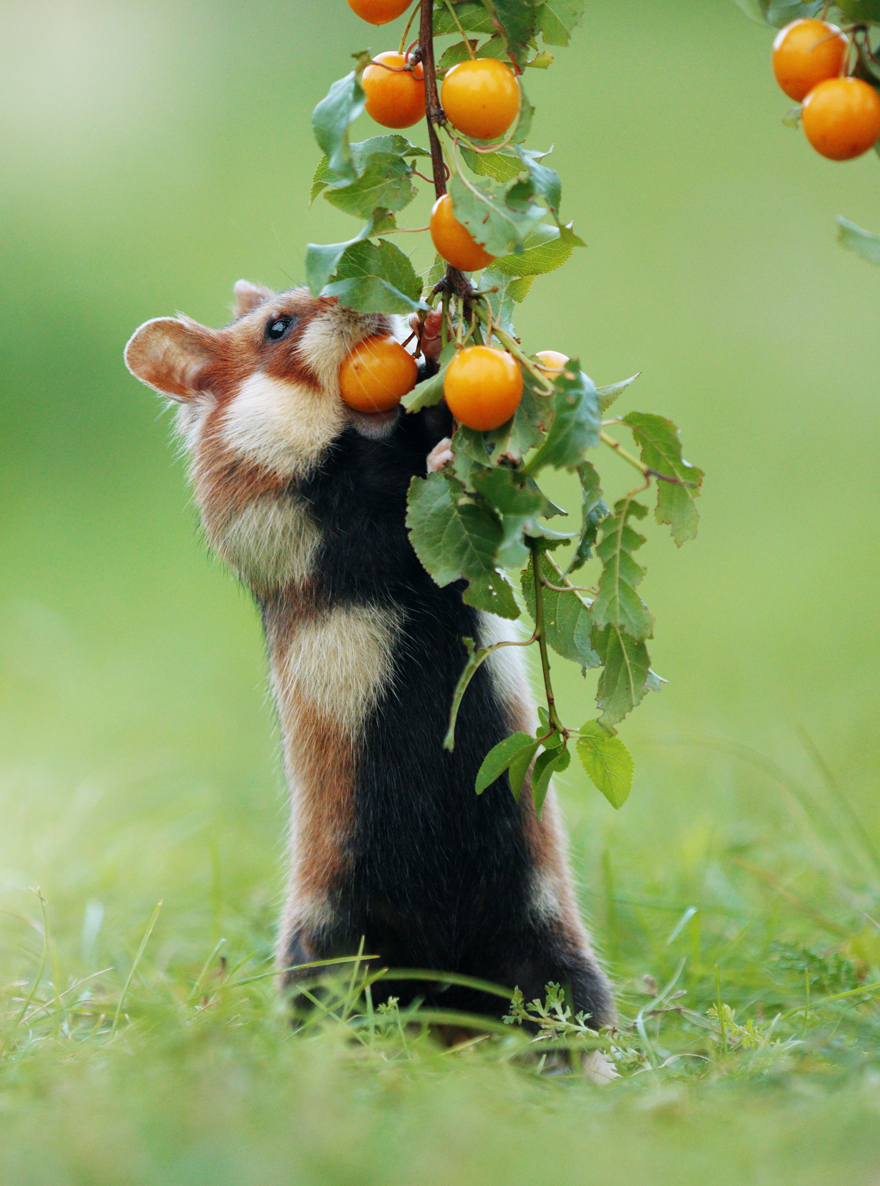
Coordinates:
<point>248,296</point>
<point>171,355</point>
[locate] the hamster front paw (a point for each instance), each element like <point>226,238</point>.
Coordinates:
<point>440,455</point>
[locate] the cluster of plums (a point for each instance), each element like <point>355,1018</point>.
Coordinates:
<point>480,98</point>
<point>840,115</point>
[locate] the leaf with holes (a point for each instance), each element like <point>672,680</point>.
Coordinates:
<point>617,603</point>
<point>607,761</point>
<point>658,441</point>
<point>516,20</point>
<point>482,208</point>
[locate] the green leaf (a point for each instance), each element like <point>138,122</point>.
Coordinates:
<point>456,537</point>
<point>607,395</point>
<point>519,768</point>
<point>607,761</point>
<point>519,288</point>
<point>376,278</point>
<point>574,428</point>
<point>474,659</point>
<point>322,258</point>
<point>864,242</point>
<point>500,301</point>
<point>331,119</point>
<point>492,592</point>
<point>472,15</point>
<point>660,447</point>
<point>546,765</point>
<point>623,682</point>
<point>617,603</point>
<point>385,181</point>
<point>430,391</point>
<point>483,210</point>
<point>516,19</point>
<point>322,177</point>
<point>500,166</point>
<point>593,511</point>
<point>500,757</point>
<point>557,18</point>
<point>517,503</point>
<point>567,619</point>
<point>859,10</point>
<point>545,248</point>
<point>541,182</point>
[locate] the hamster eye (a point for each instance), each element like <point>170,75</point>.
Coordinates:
<point>277,327</point>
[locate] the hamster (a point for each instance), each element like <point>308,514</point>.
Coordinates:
<point>305,499</point>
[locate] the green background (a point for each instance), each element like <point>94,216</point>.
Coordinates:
<point>150,155</point>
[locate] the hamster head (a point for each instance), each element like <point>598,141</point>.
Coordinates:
<point>262,391</point>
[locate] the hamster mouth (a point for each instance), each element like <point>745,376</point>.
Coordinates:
<point>374,425</point>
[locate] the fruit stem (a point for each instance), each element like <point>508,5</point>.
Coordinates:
<point>541,633</point>
<point>412,17</point>
<point>513,347</point>
<point>464,37</point>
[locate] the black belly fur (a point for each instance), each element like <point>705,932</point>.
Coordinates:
<point>438,877</point>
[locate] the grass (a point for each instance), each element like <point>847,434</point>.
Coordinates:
<point>748,1047</point>
<point>157,156</point>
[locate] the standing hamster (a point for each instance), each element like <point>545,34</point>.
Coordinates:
<point>306,501</point>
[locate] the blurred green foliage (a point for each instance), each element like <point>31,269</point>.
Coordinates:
<point>152,154</point>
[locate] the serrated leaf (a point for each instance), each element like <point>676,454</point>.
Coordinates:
<point>544,249</point>
<point>322,258</point>
<point>660,447</point>
<point>495,225</point>
<point>472,15</point>
<point>385,181</point>
<point>500,301</point>
<point>617,603</point>
<point>516,20</point>
<point>574,427</point>
<point>623,682</point>
<point>541,61</point>
<point>455,537</point>
<point>376,278</point>
<point>500,166</point>
<point>518,289</point>
<point>607,761</point>
<point>593,511</point>
<point>458,52</point>
<point>492,592</point>
<point>856,239</point>
<point>541,182</point>
<point>567,619</point>
<point>607,395</point>
<point>501,756</point>
<point>331,119</point>
<point>516,503</point>
<point>321,178</point>
<point>557,18</point>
